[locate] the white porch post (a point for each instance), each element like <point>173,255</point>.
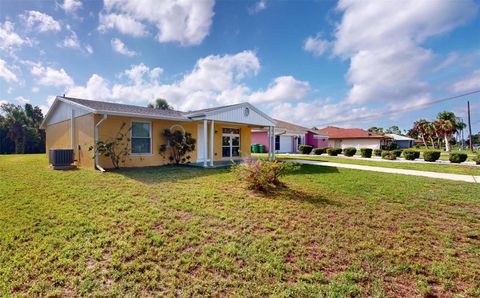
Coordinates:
<point>269,135</point>
<point>212,134</point>
<point>72,129</point>
<point>205,144</point>
<point>273,142</point>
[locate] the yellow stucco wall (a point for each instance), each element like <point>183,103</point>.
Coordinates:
<point>84,136</point>
<point>58,136</point>
<point>110,127</point>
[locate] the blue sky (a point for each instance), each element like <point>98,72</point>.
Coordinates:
<point>346,63</point>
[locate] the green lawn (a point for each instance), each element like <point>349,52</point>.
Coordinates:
<point>441,168</point>
<point>190,231</point>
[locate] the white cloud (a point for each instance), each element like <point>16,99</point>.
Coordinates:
<point>70,6</point>
<point>70,41</point>
<point>8,37</point>
<point>40,22</point>
<point>258,6</point>
<point>214,80</point>
<point>316,45</point>
<point>119,47</point>
<point>22,100</point>
<point>45,108</point>
<point>48,76</point>
<point>123,23</point>
<point>468,83</point>
<point>383,45</point>
<point>89,49</point>
<point>187,22</point>
<point>283,88</point>
<point>3,102</point>
<point>6,73</point>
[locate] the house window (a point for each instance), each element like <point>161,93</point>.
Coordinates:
<point>277,143</point>
<point>141,138</point>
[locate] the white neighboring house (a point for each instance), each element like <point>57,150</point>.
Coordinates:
<point>353,137</point>
<point>401,141</point>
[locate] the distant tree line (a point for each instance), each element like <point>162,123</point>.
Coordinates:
<point>20,129</point>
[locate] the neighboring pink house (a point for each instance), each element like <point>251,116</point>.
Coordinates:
<point>289,136</point>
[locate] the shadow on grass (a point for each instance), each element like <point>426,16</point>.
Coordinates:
<point>306,169</point>
<point>162,174</point>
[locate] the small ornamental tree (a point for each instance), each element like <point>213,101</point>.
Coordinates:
<point>115,148</point>
<point>178,146</point>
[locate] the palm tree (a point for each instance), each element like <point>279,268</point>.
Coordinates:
<point>444,129</point>
<point>160,104</point>
<point>431,132</point>
<point>17,122</point>
<point>421,127</point>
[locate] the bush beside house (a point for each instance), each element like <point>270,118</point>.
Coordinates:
<point>457,157</point>
<point>389,155</point>
<point>411,154</point>
<point>366,152</point>
<point>334,151</point>
<point>305,149</point>
<point>349,151</point>
<point>377,152</point>
<point>319,151</point>
<point>431,156</point>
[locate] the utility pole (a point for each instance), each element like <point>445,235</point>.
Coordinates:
<point>469,126</point>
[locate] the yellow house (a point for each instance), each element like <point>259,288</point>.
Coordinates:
<point>221,133</point>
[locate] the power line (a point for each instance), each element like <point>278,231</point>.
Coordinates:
<point>393,111</point>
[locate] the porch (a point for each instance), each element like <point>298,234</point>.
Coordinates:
<point>224,134</point>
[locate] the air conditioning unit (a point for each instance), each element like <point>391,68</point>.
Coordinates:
<point>61,159</point>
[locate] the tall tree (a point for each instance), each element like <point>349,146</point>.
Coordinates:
<point>422,128</point>
<point>160,104</point>
<point>375,129</point>
<point>394,129</point>
<point>16,120</point>
<point>444,129</point>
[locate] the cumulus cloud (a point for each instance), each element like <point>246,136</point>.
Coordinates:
<point>47,76</point>
<point>7,74</point>
<point>468,83</point>
<point>122,23</point>
<point>71,41</point>
<point>258,6</point>
<point>22,100</point>
<point>70,6</point>
<point>9,38</point>
<point>384,46</point>
<point>186,22</point>
<point>40,22</point>
<point>119,47</point>
<point>316,45</point>
<point>214,80</point>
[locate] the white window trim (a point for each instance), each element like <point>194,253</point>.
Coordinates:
<point>239,142</point>
<point>151,137</point>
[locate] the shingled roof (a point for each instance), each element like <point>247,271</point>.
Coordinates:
<point>117,108</point>
<point>349,133</point>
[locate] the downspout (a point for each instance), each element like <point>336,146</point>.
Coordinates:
<point>97,165</point>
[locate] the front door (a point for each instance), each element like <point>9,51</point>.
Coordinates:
<point>230,143</point>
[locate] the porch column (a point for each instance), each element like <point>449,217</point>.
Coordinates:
<point>212,134</point>
<point>273,143</point>
<point>205,143</point>
<point>269,135</point>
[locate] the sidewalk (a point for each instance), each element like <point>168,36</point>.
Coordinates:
<point>454,177</point>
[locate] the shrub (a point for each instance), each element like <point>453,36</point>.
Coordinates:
<point>389,155</point>
<point>366,152</point>
<point>377,152</point>
<point>397,152</point>
<point>334,151</point>
<point>411,154</point>
<point>392,146</point>
<point>457,157</point>
<point>319,151</point>
<point>349,151</point>
<point>305,149</point>
<point>116,148</point>
<point>263,175</point>
<point>476,159</point>
<point>178,147</point>
<point>431,156</point>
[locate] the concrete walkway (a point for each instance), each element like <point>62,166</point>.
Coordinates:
<point>455,177</point>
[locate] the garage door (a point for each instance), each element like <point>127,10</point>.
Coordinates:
<point>286,144</point>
